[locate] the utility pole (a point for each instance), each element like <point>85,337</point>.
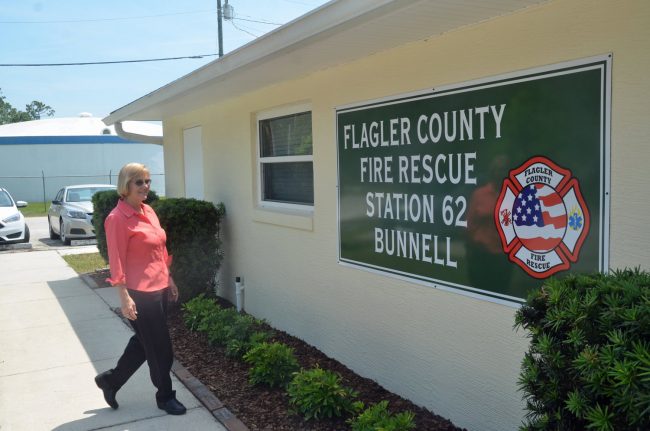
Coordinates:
<point>219,22</point>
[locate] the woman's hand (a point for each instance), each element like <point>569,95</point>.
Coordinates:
<point>128,306</point>
<point>173,289</point>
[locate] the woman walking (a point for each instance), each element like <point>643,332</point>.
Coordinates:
<point>139,266</point>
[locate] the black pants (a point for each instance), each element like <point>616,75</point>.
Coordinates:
<point>151,342</point>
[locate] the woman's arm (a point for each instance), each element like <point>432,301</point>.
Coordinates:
<point>173,289</point>
<point>116,243</point>
<point>128,306</point>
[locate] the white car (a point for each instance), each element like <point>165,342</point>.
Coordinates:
<point>12,223</point>
<point>70,215</point>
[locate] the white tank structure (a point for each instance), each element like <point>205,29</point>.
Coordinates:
<point>37,158</point>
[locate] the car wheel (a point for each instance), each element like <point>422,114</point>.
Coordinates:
<point>26,239</point>
<point>65,240</point>
<point>53,234</point>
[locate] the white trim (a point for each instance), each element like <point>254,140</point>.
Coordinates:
<point>301,32</point>
<point>606,194</point>
<point>269,114</point>
<point>305,209</point>
<point>310,43</point>
<point>286,159</point>
<point>283,111</point>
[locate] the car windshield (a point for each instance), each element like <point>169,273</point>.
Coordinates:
<point>5,200</point>
<point>84,194</point>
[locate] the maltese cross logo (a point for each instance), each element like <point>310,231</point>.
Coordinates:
<point>541,217</point>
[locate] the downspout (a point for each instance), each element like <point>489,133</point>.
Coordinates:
<point>157,140</point>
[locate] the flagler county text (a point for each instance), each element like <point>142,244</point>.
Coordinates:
<point>423,168</point>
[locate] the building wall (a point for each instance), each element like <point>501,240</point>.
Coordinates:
<point>453,354</point>
<point>64,163</point>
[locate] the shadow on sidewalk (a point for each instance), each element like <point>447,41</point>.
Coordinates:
<point>91,343</point>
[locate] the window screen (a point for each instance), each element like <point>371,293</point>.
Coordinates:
<point>286,162</point>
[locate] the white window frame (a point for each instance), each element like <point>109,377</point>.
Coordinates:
<point>267,115</point>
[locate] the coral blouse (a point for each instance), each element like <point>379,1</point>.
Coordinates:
<point>137,253</point>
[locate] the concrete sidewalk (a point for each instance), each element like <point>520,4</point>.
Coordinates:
<point>56,334</point>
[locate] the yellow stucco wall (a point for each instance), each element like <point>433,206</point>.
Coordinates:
<point>450,353</point>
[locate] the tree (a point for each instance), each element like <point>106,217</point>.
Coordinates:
<point>33,111</point>
<point>37,109</point>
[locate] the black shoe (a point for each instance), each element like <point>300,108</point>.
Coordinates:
<point>109,391</point>
<point>172,406</point>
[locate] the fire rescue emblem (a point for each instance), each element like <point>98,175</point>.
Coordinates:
<point>541,217</point>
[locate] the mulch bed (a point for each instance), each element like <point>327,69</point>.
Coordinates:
<point>100,277</point>
<point>266,409</point>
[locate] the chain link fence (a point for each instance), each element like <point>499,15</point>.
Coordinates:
<point>43,188</point>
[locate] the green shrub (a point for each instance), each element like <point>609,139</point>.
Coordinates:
<point>103,204</point>
<point>217,325</point>
<point>192,228</point>
<point>223,326</point>
<point>197,310</point>
<point>588,365</point>
<point>318,394</point>
<point>240,343</point>
<point>271,364</point>
<point>378,418</point>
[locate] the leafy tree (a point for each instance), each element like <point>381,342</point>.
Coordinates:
<point>33,111</point>
<point>37,109</point>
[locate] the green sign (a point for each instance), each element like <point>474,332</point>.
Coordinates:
<point>485,187</point>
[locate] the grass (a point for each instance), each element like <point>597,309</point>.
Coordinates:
<point>35,209</point>
<point>83,263</point>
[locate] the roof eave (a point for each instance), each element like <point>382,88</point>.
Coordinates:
<point>338,16</point>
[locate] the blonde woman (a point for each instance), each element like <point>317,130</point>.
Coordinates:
<point>139,266</point>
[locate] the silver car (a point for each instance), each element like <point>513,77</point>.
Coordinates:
<point>70,215</point>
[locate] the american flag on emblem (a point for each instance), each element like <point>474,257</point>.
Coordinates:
<point>539,217</point>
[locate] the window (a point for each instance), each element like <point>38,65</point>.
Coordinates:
<point>286,174</point>
<point>84,194</point>
<point>5,200</point>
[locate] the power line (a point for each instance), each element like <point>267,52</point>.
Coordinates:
<point>105,62</point>
<point>257,21</point>
<point>242,30</point>
<point>299,2</point>
<point>67,21</point>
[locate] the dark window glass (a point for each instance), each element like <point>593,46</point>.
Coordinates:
<point>286,136</point>
<point>291,182</point>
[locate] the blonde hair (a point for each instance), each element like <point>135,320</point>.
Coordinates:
<point>128,173</point>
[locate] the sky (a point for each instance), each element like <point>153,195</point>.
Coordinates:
<point>73,31</point>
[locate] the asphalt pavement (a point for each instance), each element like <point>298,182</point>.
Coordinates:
<point>56,334</point>
<point>40,239</point>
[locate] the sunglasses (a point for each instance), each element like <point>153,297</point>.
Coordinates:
<point>140,183</point>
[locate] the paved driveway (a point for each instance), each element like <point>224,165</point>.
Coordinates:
<point>40,239</point>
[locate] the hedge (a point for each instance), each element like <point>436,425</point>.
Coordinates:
<point>192,228</point>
